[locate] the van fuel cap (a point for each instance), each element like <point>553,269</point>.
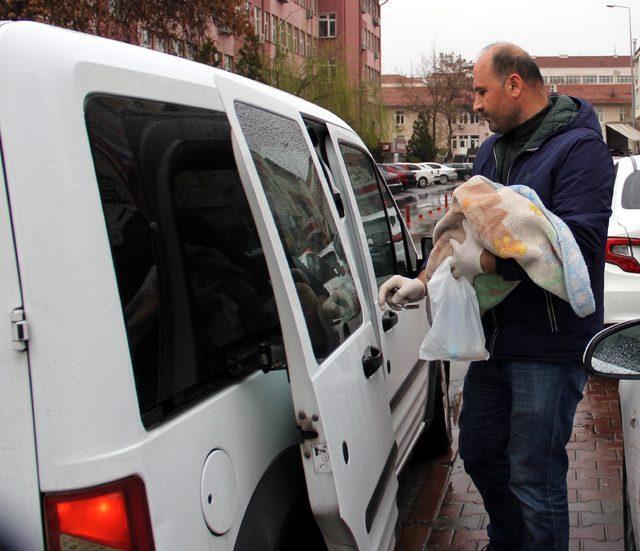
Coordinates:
<point>219,492</point>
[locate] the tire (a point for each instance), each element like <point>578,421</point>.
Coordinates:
<point>629,537</point>
<point>423,182</point>
<point>466,177</point>
<point>444,178</point>
<point>436,438</point>
<point>301,530</point>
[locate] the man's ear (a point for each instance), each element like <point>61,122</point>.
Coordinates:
<point>514,85</point>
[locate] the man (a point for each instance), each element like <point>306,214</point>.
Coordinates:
<point>518,407</point>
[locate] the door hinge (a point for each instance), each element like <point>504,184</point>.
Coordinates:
<point>19,330</point>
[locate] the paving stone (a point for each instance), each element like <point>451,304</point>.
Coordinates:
<point>588,519</point>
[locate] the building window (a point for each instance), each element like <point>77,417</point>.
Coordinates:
<point>556,79</point>
<point>327,25</point>
<point>267,21</point>
<point>622,114</point>
<point>589,79</point>
<point>399,117</point>
<point>454,143</point>
<point>463,118</point>
<point>257,17</point>
<point>600,114</point>
<point>329,70</point>
<point>475,118</point>
<point>145,38</point>
<point>228,62</point>
<point>545,80</point>
<point>573,79</point>
<point>605,79</point>
<point>624,79</point>
<point>474,142</point>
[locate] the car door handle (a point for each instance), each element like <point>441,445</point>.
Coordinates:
<point>371,360</point>
<point>389,319</point>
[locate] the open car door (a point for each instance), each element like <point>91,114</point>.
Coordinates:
<point>336,371</point>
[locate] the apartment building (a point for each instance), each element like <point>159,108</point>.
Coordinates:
<point>350,29</point>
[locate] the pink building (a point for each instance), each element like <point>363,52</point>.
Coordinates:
<point>352,29</point>
<point>289,25</point>
<point>347,30</point>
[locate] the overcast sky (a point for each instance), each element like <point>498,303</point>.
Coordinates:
<point>411,28</point>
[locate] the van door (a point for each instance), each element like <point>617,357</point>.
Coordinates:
<point>337,383</point>
<point>388,250</point>
<point>20,522</point>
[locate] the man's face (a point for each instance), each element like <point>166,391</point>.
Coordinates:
<point>491,98</point>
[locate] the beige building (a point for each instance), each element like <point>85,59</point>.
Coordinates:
<point>404,97</point>
<point>603,81</point>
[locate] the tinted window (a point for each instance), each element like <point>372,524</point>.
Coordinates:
<point>192,278</point>
<point>631,191</point>
<point>305,225</point>
<point>380,218</point>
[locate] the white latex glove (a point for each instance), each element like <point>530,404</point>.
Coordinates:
<point>465,260</point>
<point>399,290</point>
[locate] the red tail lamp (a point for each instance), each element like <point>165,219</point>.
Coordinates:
<point>115,515</point>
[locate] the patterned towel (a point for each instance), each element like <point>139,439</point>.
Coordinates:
<point>512,222</point>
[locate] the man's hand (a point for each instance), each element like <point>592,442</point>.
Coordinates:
<point>465,260</point>
<point>398,291</point>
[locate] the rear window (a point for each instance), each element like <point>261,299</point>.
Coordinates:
<point>192,278</point>
<point>631,191</point>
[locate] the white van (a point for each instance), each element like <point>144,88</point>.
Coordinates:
<point>193,357</point>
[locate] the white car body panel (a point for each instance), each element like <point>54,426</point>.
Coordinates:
<point>622,289</point>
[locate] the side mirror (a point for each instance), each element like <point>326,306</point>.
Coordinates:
<point>615,352</point>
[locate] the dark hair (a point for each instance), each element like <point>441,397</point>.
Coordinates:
<point>507,59</point>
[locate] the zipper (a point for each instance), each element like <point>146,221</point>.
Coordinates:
<point>515,159</point>
<point>553,323</point>
<point>495,331</point>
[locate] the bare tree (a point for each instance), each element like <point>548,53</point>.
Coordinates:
<point>442,88</point>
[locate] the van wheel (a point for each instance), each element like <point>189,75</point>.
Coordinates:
<point>301,530</point>
<point>422,182</point>
<point>629,537</point>
<point>436,439</point>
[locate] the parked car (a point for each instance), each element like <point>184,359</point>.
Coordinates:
<point>425,176</point>
<point>392,179</point>
<point>444,172</point>
<point>407,177</point>
<point>190,268</point>
<point>463,170</point>
<point>615,353</point>
<point>622,269</point>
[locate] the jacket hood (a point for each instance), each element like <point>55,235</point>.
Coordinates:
<point>565,114</point>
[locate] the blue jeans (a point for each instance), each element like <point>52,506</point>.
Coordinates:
<point>515,423</point>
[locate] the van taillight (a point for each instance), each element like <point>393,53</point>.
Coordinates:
<point>110,516</point>
<point>619,252</point>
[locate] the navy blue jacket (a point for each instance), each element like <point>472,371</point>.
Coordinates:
<point>569,166</point>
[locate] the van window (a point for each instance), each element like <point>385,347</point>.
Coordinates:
<point>192,278</point>
<point>631,191</point>
<point>305,225</point>
<point>380,217</point>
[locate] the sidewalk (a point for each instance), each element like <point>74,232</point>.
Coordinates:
<point>448,512</point>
